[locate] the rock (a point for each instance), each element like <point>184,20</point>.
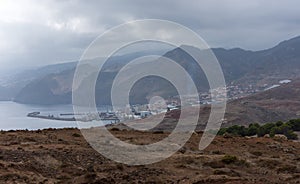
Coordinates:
<point>182,150</point>
<point>280,137</point>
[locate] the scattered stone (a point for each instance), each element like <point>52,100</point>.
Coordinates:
<point>280,137</point>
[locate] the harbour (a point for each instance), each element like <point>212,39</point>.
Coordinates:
<point>83,117</point>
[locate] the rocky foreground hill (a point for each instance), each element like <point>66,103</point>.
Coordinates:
<point>63,156</point>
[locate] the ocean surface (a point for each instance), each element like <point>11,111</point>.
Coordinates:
<point>13,116</point>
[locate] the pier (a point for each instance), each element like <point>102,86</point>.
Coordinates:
<point>86,117</point>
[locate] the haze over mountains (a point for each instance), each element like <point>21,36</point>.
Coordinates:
<point>260,69</point>
<point>11,85</point>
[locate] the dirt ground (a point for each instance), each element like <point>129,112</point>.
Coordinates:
<point>63,156</point>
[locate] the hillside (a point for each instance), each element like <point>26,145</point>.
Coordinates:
<point>63,156</point>
<point>277,104</point>
<point>53,87</point>
<point>4,93</point>
<point>56,88</point>
<point>277,63</point>
<point>11,85</point>
<point>259,69</point>
<point>281,103</point>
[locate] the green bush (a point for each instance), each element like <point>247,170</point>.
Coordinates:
<point>274,131</point>
<point>294,124</point>
<point>268,128</point>
<point>233,130</point>
<point>222,131</point>
<point>279,123</point>
<point>265,129</point>
<point>252,130</point>
<point>256,125</point>
<point>291,135</point>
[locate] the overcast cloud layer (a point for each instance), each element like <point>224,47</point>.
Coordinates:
<point>45,32</point>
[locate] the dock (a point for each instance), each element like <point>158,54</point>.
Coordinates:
<point>85,117</point>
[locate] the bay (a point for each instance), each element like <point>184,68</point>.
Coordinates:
<point>13,116</point>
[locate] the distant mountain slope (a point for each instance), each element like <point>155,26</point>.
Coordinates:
<point>274,64</point>
<point>24,77</point>
<point>5,93</point>
<point>14,83</point>
<point>52,88</point>
<point>281,103</point>
<point>277,104</point>
<point>240,67</point>
<point>43,90</point>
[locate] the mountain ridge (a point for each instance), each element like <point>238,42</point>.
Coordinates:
<point>240,67</point>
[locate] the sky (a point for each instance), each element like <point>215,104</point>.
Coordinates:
<point>36,33</point>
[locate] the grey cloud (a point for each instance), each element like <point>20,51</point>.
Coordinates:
<point>251,25</point>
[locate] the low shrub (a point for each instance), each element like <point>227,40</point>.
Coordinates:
<point>76,135</point>
<point>115,129</point>
<point>217,152</point>
<point>229,159</point>
<point>279,127</point>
